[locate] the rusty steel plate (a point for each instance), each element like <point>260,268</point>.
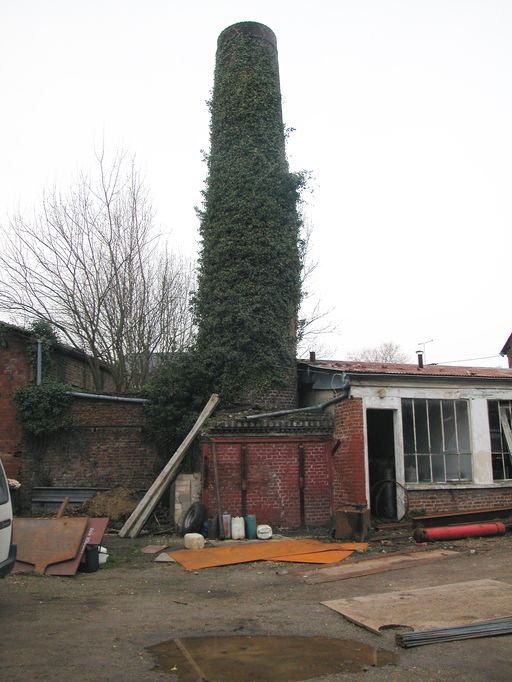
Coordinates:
<point>93,536</point>
<point>42,542</point>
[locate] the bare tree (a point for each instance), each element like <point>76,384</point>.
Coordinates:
<point>314,322</point>
<point>385,352</point>
<point>89,263</point>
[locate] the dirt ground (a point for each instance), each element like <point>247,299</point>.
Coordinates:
<point>99,626</point>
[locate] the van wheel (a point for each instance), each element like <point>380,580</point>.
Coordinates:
<point>194,518</point>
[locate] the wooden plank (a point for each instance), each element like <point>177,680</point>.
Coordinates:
<point>378,565</point>
<point>428,607</point>
<point>144,509</point>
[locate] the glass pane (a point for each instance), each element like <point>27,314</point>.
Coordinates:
<point>438,468</point>
<point>497,467</point>
<point>434,421</point>
<point>494,425</point>
<point>410,469</point>
<point>506,405</point>
<point>465,467</point>
<point>508,465</point>
<point>452,467</point>
<point>463,426</point>
<point>424,468</point>
<point>408,426</point>
<point>450,440</point>
<point>420,420</point>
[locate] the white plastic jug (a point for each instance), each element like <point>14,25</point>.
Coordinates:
<point>264,532</point>
<point>237,528</point>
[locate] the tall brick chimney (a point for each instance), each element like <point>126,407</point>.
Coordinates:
<point>249,278</point>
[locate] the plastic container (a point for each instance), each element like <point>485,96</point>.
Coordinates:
<point>193,541</point>
<point>226,524</point>
<point>264,532</point>
<point>250,527</point>
<point>102,555</point>
<point>237,528</point>
<point>90,559</point>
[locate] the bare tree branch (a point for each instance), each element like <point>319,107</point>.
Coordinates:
<point>385,352</point>
<point>90,264</point>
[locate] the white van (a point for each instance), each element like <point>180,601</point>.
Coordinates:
<point>7,549</point>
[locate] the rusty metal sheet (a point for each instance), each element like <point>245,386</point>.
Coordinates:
<point>274,550</point>
<point>93,536</point>
<point>42,542</point>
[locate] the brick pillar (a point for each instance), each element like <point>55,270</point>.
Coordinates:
<point>349,475</point>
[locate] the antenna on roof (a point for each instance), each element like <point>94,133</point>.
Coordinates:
<point>424,343</point>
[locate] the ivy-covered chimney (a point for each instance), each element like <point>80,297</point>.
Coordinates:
<point>249,277</point>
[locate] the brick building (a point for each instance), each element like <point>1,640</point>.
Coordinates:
<point>18,351</point>
<point>435,432</point>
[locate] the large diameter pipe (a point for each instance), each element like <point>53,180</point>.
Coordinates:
<point>457,532</point>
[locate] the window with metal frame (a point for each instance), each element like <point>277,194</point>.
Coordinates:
<point>500,453</point>
<point>437,444</point>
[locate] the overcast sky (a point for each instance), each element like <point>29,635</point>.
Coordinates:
<point>402,111</point>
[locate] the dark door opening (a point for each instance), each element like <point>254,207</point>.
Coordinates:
<point>381,463</point>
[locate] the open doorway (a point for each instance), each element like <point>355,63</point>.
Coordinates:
<point>381,463</point>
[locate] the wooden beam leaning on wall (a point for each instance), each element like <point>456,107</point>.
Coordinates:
<point>146,506</point>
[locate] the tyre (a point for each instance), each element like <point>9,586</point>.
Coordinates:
<point>193,518</point>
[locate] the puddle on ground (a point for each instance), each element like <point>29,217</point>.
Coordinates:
<point>262,658</point>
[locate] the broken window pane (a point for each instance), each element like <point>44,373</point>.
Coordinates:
<point>436,431</point>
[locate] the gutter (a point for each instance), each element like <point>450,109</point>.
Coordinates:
<point>117,398</point>
<point>345,388</point>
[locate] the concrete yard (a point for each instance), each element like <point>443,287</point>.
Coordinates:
<point>99,626</point>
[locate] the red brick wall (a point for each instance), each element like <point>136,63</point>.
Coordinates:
<point>15,371</point>
<point>349,475</point>
<point>106,448</point>
<point>272,476</point>
<point>448,501</point>
<point>76,372</point>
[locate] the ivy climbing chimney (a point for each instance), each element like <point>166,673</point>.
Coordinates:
<point>249,277</point>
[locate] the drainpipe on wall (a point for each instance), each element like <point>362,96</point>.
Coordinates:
<point>39,363</point>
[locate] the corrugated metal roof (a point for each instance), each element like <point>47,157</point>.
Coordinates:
<point>402,369</point>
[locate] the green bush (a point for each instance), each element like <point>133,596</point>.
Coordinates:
<point>43,410</point>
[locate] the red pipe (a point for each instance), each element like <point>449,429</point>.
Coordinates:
<point>456,532</point>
